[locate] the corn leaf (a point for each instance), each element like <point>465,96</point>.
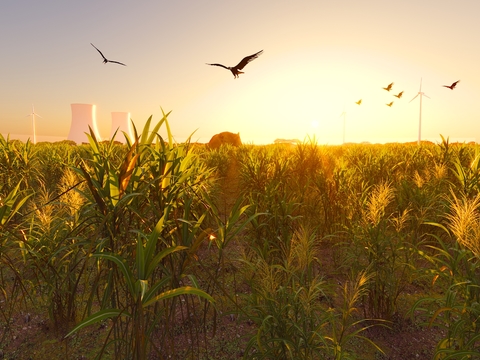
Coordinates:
<point>122,265</point>
<point>95,318</point>
<point>185,290</point>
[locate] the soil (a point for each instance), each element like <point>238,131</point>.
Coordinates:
<point>32,336</point>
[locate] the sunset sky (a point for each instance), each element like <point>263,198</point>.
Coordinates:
<point>320,57</point>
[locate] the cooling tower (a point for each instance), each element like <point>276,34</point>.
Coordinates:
<point>83,116</point>
<point>121,122</point>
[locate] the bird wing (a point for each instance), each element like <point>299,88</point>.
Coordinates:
<point>116,62</point>
<point>225,67</point>
<point>247,59</point>
<point>99,51</point>
<point>452,86</point>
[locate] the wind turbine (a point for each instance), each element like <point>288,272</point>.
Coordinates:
<point>33,114</point>
<point>422,94</point>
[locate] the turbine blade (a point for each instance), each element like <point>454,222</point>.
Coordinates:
<point>414,98</point>
<point>34,114</point>
<point>426,96</point>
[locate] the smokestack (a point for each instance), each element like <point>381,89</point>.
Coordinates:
<point>121,122</point>
<point>83,116</point>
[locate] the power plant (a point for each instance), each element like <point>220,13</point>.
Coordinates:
<point>84,116</point>
<point>121,124</point>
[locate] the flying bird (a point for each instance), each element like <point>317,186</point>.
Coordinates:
<point>451,87</point>
<point>389,87</point>
<point>358,102</point>
<point>105,60</point>
<point>236,69</point>
<point>390,104</point>
<point>399,95</point>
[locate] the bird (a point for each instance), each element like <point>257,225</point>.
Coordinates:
<point>389,87</point>
<point>390,104</point>
<point>451,87</point>
<point>358,102</point>
<point>399,95</point>
<point>236,69</point>
<point>105,60</point>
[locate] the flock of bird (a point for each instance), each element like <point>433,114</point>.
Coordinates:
<point>400,94</point>
<point>236,71</point>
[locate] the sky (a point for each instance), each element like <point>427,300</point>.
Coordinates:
<point>319,58</point>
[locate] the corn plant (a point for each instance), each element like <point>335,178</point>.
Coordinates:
<point>143,290</point>
<point>220,159</point>
<point>344,326</point>
<point>286,305</point>
<point>10,294</point>
<point>11,204</point>
<point>380,245</point>
<point>35,249</point>
<point>226,186</point>
<point>140,267</point>
<point>266,180</point>
<point>456,269</point>
<point>317,180</point>
<point>52,258</point>
<point>18,164</point>
<point>54,160</point>
<point>468,176</point>
<point>292,306</point>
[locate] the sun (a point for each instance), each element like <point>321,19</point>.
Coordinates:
<point>314,124</point>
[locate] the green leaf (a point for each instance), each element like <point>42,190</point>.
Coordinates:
<point>185,290</point>
<point>156,287</point>
<point>11,204</point>
<point>93,140</point>
<point>93,189</point>
<point>146,128</point>
<point>122,265</point>
<point>114,187</point>
<point>153,264</point>
<point>95,318</point>
<point>154,235</point>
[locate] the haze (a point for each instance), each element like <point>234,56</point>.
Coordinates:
<point>320,57</point>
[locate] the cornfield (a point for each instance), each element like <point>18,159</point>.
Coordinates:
<point>165,250</point>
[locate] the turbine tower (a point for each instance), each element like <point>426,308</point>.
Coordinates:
<point>121,122</point>
<point>33,114</point>
<point>422,94</point>
<point>83,116</point>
